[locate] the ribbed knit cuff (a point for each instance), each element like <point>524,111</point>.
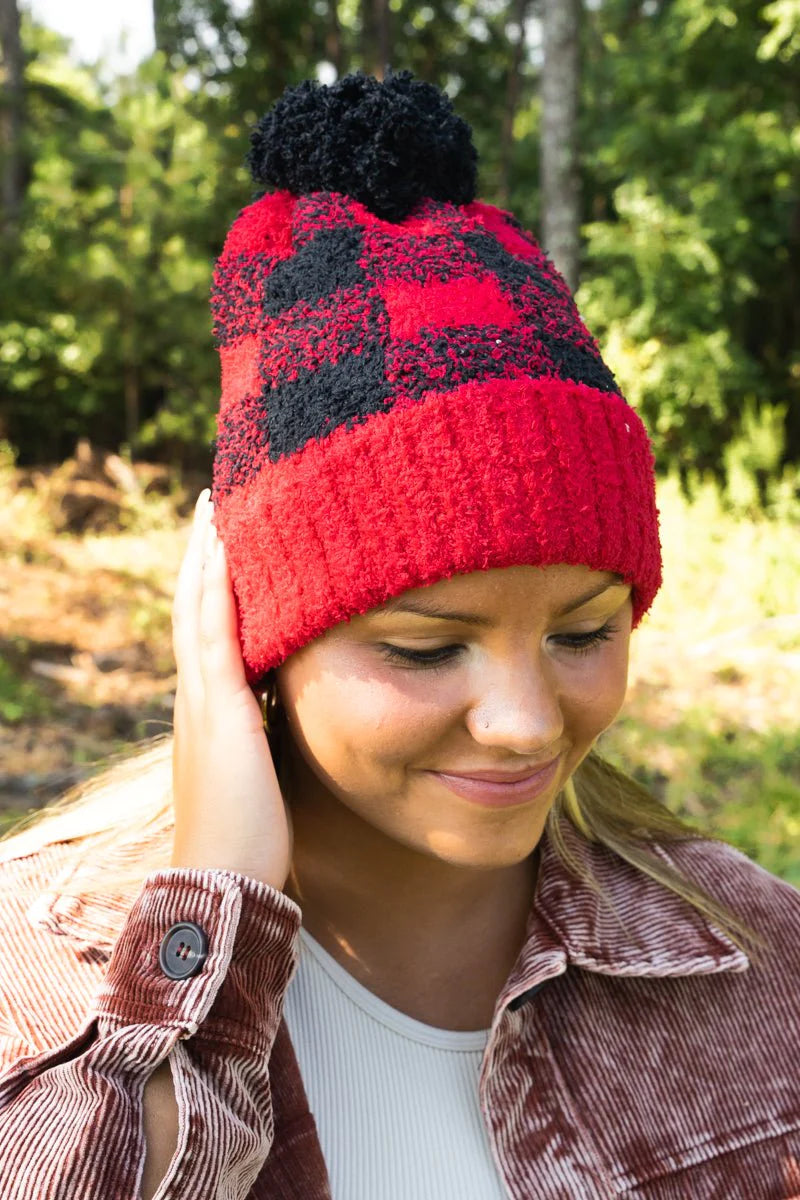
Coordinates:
<point>494,474</point>
<point>252,932</point>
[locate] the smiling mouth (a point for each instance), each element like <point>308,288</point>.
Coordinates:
<point>500,776</point>
<point>493,794</point>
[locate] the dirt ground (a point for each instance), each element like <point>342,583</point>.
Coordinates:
<point>85,623</point>
<point>85,644</point>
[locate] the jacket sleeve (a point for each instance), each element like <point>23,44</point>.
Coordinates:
<point>71,1118</point>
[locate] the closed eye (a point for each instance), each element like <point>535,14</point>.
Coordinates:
<point>577,643</point>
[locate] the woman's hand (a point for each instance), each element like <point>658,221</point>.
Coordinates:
<point>229,811</point>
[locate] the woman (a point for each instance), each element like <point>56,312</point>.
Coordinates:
<point>433,530</point>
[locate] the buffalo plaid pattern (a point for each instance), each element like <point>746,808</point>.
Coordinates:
<point>355,316</point>
<point>403,401</point>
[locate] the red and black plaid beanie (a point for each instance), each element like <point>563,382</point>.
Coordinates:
<point>408,390</point>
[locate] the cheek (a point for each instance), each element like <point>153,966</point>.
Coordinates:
<point>352,722</point>
<point>596,693</point>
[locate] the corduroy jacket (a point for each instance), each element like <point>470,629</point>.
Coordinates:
<point>641,1055</point>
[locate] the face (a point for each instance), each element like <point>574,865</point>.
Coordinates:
<point>507,680</point>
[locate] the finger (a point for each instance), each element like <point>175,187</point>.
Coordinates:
<point>193,554</point>
<point>221,662</point>
<point>186,605</point>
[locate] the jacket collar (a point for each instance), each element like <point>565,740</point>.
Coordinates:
<point>640,928</point>
<point>632,926</point>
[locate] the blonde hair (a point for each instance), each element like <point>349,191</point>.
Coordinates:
<point>124,819</point>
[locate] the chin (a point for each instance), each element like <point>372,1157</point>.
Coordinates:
<point>490,854</point>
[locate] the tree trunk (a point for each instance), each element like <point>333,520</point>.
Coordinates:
<point>382,23</point>
<point>11,118</point>
<point>375,37</point>
<point>166,26</point>
<point>560,176</point>
<point>333,40</point>
<point>518,11</point>
<point>130,370</point>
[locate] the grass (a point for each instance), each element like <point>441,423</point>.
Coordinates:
<point>737,784</point>
<point>20,699</point>
<point>710,721</point>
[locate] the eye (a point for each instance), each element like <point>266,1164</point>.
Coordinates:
<point>584,643</point>
<point>576,643</point>
<point>420,658</point>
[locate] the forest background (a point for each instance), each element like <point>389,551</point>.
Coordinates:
<point>684,178</point>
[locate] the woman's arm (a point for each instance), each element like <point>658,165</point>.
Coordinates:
<point>74,1121</point>
<point>160,1128</point>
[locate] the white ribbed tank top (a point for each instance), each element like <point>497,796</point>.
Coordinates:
<point>395,1100</point>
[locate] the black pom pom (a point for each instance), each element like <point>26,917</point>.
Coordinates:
<point>387,144</point>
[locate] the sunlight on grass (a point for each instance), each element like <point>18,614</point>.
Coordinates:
<point>20,699</point>
<point>710,722</point>
<point>720,572</point>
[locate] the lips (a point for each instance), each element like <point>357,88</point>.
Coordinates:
<point>494,794</point>
<point>499,776</point>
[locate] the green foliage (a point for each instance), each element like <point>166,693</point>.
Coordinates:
<point>104,322</point>
<point>783,39</point>
<point>693,246</point>
<point>20,700</point>
<point>690,120</point>
<point>736,783</point>
<point>755,482</point>
<point>8,458</point>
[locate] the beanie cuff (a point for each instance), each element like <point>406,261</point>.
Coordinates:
<point>492,474</point>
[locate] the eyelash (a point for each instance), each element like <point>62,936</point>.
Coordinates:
<point>578,643</point>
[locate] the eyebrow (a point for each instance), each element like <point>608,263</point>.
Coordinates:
<point>426,608</point>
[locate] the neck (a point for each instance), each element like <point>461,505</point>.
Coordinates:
<point>433,939</point>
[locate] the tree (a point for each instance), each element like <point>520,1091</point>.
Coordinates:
<point>689,127</point>
<point>11,118</point>
<point>518,12</point>
<point>560,176</point>
<point>104,322</point>
<point>375,37</point>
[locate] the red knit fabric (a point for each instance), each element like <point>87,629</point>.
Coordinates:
<point>416,306</point>
<point>405,401</point>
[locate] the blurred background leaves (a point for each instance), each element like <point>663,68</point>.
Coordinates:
<point>690,231</point>
<point>117,190</point>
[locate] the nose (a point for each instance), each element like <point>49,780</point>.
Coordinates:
<point>518,709</point>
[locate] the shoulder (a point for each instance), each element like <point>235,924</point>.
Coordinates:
<point>48,975</point>
<point>764,902</point>
<point>26,871</point>
<point>53,889</point>
<point>730,873</point>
